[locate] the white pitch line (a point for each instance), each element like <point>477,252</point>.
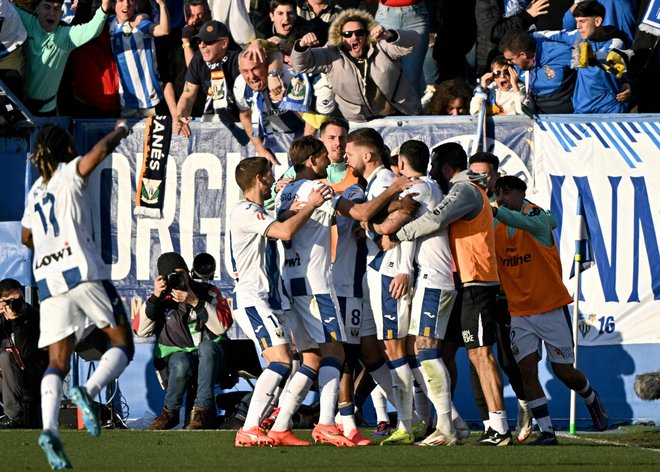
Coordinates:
<point>606,442</point>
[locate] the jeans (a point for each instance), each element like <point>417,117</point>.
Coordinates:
<point>416,18</point>
<point>206,362</point>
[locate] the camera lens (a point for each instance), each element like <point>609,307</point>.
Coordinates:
<point>17,305</point>
<point>176,281</point>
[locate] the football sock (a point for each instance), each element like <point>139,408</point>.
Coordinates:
<point>420,399</point>
<point>587,393</point>
<point>380,404</point>
<point>264,390</point>
<point>438,384</point>
<point>51,396</point>
<point>329,374</point>
<point>347,414</point>
<point>293,396</point>
<point>497,421</point>
<point>541,413</point>
<point>402,384</point>
<point>112,364</point>
<point>383,377</point>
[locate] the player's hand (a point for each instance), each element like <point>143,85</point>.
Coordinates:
<point>399,286</point>
<point>309,40</point>
<point>379,32</point>
<point>106,6</point>
<point>319,195</point>
<point>625,94</point>
<point>401,183</point>
<point>160,286</point>
<point>181,126</point>
<point>359,232</point>
<point>408,205</point>
<point>538,7</point>
<point>282,183</point>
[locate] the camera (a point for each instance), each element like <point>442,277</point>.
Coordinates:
<point>17,305</point>
<point>176,281</point>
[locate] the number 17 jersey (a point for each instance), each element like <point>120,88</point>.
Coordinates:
<point>59,214</point>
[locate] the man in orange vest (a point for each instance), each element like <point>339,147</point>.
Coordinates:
<point>530,270</point>
<point>466,212</point>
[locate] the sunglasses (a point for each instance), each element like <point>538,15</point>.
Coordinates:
<point>359,33</point>
<point>497,73</point>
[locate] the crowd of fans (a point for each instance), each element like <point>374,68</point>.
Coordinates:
<point>307,59</point>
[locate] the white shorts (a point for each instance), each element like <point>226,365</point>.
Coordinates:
<point>392,317</point>
<point>358,322</point>
<point>79,310</point>
<point>431,309</point>
<point>553,328</point>
<point>261,324</point>
<point>314,320</point>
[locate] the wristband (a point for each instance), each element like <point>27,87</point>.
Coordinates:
<point>125,128</point>
<point>185,45</point>
<point>273,73</point>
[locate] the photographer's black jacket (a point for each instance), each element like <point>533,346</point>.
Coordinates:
<point>180,327</point>
<point>25,330</point>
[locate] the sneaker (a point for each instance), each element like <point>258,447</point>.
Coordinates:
<point>382,429</point>
<point>598,413</point>
<point>546,438</point>
<point>201,418</point>
<point>493,438</point>
<point>356,438</point>
<point>462,428</point>
<point>286,438</point>
<point>52,447</point>
<point>328,433</point>
<point>398,438</point>
<point>437,438</point>
<point>524,423</point>
<point>268,423</point>
<point>252,437</point>
<point>87,410</point>
<point>168,419</point>
<point>7,423</point>
<point>419,431</point>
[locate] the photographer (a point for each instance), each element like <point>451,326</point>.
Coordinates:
<point>188,319</point>
<point>22,364</point>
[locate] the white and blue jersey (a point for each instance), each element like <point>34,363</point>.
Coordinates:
<point>306,269</point>
<point>432,252</point>
<point>254,258</point>
<point>135,55</point>
<point>59,214</point>
<point>381,261</point>
<point>350,254</point>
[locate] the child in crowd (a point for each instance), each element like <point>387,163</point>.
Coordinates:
<point>132,39</point>
<point>504,94</point>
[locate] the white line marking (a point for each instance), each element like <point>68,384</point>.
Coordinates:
<point>606,442</point>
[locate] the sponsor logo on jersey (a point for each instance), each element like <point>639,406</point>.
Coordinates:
<point>292,261</point>
<point>66,251</point>
<point>513,261</point>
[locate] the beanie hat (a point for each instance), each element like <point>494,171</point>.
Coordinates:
<point>169,262</point>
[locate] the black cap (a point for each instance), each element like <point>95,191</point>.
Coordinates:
<point>212,31</point>
<point>169,262</point>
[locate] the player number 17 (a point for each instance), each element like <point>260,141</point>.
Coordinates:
<point>49,198</point>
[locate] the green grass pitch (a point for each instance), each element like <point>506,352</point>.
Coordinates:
<point>630,449</point>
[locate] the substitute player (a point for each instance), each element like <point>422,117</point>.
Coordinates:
<point>259,301</point>
<point>69,271</point>
<point>530,271</point>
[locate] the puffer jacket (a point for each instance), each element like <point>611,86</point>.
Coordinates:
<point>383,65</point>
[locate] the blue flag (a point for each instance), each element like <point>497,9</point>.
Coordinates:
<point>583,249</point>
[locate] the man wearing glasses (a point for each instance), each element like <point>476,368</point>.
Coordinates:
<point>362,60</point>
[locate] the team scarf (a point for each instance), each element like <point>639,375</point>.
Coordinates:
<point>298,96</point>
<point>150,193</point>
<point>260,124</point>
<point>651,21</point>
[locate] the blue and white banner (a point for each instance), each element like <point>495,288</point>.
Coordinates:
<point>201,189</point>
<point>613,166</point>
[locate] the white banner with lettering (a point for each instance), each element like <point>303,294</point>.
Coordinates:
<point>613,165</point>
